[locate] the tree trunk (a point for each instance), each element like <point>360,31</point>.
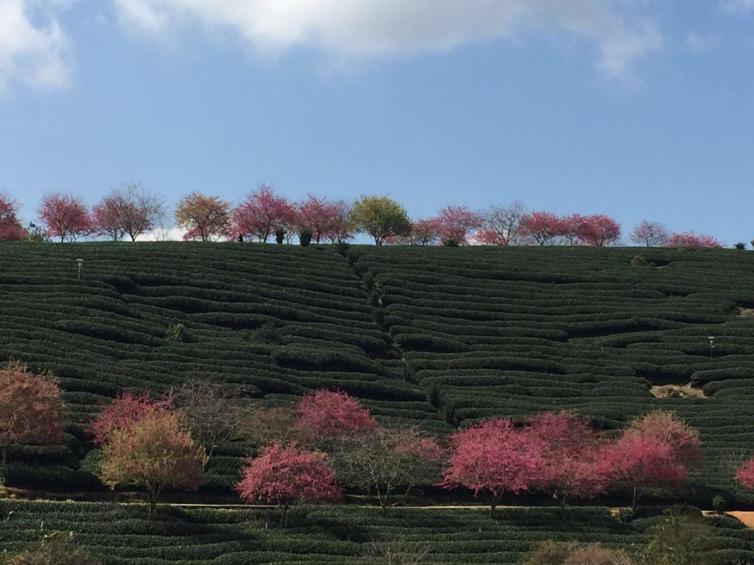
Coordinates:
<point>562,508</point>
<point>405,496</point>
<point>4,466</point>
<point>635,498</point>
<point>154,493</point>
<point>493,505</point>
<point>284,516</point>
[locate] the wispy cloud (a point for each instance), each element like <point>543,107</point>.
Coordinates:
<point>739,5</point>
<point>33,47</point>
<point>701,42</point>
<point>347,29</point>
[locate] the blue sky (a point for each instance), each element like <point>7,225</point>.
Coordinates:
<point>633,108</point>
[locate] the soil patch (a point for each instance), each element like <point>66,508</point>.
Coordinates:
<point>676,391</point>
<point>746,518</point>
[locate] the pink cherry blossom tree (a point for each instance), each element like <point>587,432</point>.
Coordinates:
<point>597,230</point>
<point>458,223</point>
<point>284,476</point>
<point>262,213</point>
<point>649,234</point>
<point>543,227</point>
<point>569,466</point>
<point>691,239</point>
<point>326,415</point>
<point>65,216</point>
<point>10,227</point>
<point>493,458</point>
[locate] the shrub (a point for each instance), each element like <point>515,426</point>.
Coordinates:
<point>718,504</point>
<point>280,236</point>
<point>573,553</point>
<point>681,538</point>
<point>740,245</point>
<point>305,237</point>
<point>56,548</point>
<point>176,332</point>
<point>641,261</point>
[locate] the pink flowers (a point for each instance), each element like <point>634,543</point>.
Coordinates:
<point>325,414</point>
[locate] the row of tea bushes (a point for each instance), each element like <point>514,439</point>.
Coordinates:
<point>119,533</point>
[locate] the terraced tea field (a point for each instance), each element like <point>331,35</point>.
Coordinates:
<point>431,336</point>
<point>123,534</point>
<point>515,331</point>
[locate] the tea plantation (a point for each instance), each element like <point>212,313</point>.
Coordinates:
<point>436,337</point>
<point>123,534</point>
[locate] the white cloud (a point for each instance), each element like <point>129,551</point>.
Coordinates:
<point>163,233</point>
<point>346,29</point>
<point>33,48</point>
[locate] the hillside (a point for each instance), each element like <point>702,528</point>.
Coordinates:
<point>436,337</point>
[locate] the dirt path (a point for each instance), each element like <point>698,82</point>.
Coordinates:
<point>746,518</point>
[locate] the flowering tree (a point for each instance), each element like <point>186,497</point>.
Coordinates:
<point>65,216</point>
<point>326,415</point>
<point>691,239</point>
<point>649,234</point>
<point>380,217</point>
<point>128,210</point>
<point>262,214</point>
<point>123,412</point>
<point>457,223</point>
<point>324,219</point>
<point>424,232</point>
<point>543,227</point>
<point>203,216</point>
<point>155,452</point>
<point>106,217</point>
<point>502,225</point>
<point>287,475</point>
<point>494,458</point>
<point>383,460</point>
<point>10,227</point>
<point>641,461</point>
<point>745,474</point>
<point>663,426</point>
<point>570,228</point>
<point>569,466</point>
<point>31,410</point>
<point>597,230</point>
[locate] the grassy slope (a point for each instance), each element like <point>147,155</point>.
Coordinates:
<point>436,337</point>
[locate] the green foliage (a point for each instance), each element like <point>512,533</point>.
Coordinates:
<point>718,503</point>
<point>681,538</point>
<point>380,217</point>
<point>122,533</point>
<point>641,261</point>
<point>440,336</point>
<point>280,236</point>
<point>740,245</point>
<point>176,332</point>
<point>305,237</point>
